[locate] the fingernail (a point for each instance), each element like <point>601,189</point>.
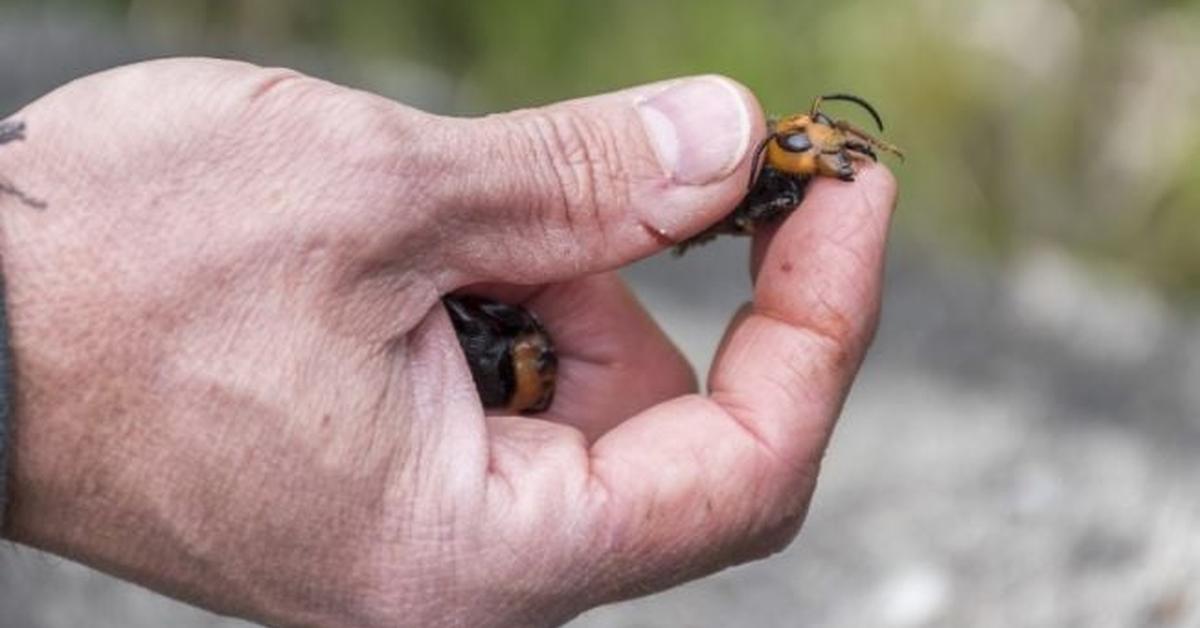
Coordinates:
<point>700,129</point>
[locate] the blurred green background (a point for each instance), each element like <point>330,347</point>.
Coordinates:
<point>1028,122</point>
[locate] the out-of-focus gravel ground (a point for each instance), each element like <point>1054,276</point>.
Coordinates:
<point>1020,449</point>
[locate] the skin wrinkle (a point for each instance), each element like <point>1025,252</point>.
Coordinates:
<point>582,147</point>
<point>833,340</point>
<point>844,241</point>
<point>551,143</point>
<point>815,364</point>
<point>800,369</point>
<point>420,187</point>
<point>557,448</point>
<point>437,352</point>
<point>603,173</point>
<point>618,175</point>
<point>632,574</point>
<point>511,142</point>
<point>625,175</point>
<point>833,317</point>
<point>275,79</point>
<point>384,305</point>
<point>463,266</point>
<point>619,537</point>
<point>493,208</point>
<point>497,452</point>
<point>556,247</point>
<point>865,220</point>
<point>328,132</point>
<point>578,140</point>
<point>605,363</point>
<point>568,156</point>
<point>568,300</point>
<point>408,245</point>
<point>728,403</point>
<point>826,316</point>
<point>383,441</point>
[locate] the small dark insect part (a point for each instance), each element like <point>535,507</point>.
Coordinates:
<point>797,148</point>
<point>11,131</point>
<point>510,355</point>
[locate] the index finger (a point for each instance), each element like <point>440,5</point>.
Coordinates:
<point>785,369</point>
<point>698,483</point>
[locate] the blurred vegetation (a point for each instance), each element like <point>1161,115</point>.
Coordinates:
<point>1028,123</point>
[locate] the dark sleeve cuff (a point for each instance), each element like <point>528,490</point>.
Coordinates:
<point>5,404</point>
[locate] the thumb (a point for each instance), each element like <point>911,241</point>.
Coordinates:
<point>543,194</point>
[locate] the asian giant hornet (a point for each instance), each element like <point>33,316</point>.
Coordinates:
<point>797,148</point>
<point>510,354</point>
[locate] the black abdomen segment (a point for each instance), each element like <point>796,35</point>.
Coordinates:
<point>510,355</point>
<point>773,196</point>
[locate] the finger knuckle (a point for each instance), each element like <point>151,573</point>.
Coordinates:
<point>777,514</point>
<point>579,156</point>
<point>776,536</point>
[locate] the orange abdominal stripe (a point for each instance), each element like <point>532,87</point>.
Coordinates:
<point>533,374</point>
<point>510,354</point>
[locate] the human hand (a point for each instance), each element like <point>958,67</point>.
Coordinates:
<point>236,384</point>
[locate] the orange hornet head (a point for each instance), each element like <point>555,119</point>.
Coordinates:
<point>812,144</point>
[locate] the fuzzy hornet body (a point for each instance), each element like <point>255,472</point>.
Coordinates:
<point>797,148</point>
<point>511,355</point>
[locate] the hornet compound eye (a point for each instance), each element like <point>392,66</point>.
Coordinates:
<point>795,142</point>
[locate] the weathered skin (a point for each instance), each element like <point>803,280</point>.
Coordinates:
<point>235,381</point>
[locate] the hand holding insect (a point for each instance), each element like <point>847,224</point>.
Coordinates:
<point>228,329</point>
<point>514,364</point>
